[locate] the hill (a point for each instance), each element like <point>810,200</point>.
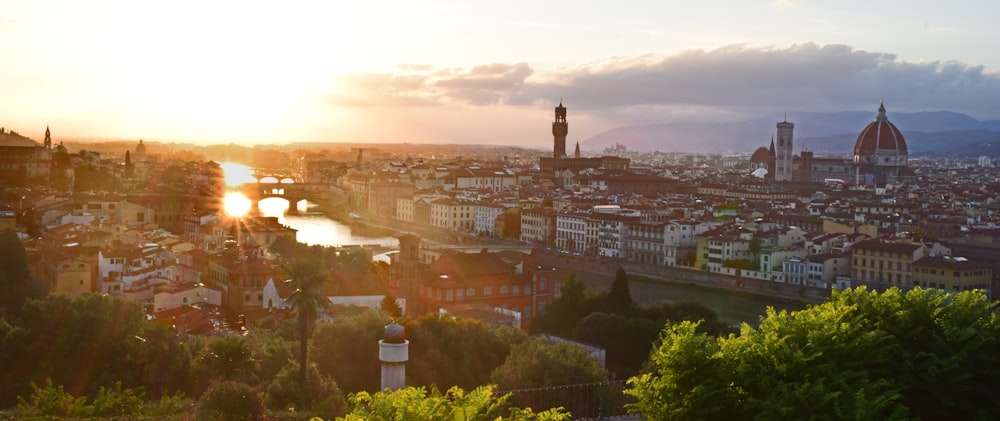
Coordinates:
<point>928,132</point>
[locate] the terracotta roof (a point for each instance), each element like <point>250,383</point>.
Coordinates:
<point>473,264</point>
<point>880,135</point>
<point>953,263</point>
<point>761,155</point>
<point>883,246</point>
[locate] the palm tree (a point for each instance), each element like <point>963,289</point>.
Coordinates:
<point>308,277</point>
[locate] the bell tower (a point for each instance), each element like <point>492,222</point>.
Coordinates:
<point>48,139</point>
<point>783,160</point>
<point>559,130</point>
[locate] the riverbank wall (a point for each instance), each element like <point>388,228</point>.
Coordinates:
<point>799,293</point>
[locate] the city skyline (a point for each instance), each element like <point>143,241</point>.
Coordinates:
<point>476,73</point>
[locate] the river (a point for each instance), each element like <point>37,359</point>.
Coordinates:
<point>733,308</point>
<point>318,229</point>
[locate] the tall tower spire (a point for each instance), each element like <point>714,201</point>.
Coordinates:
<point>48,138</point>
<point>576,154</point>
<point>784,152</point>
<point>559,130</point>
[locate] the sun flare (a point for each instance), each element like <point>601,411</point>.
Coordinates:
<point>236,204</point>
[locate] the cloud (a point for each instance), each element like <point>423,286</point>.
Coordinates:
<point>730,80</point>
<point>491,84</point>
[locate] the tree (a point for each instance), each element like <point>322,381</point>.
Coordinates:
<point>308,278</point>
<point>537,363</point>
<point>230,401</point>
<point>227,359</point>
<point>390,307</point>
<point>627,340</point>
<point>561,316</point>
<point>470,349</point>
<point>16,282</point>
<point>619,297</point>
<point>351,337</point>
<point>322,396</point>
<point>81,343</point>
<point>860,355</point>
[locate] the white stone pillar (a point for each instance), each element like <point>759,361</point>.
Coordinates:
<point>393,351</point>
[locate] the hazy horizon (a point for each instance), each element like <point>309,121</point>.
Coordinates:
<point>475,72</point>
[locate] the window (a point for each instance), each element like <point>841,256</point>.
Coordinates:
<point>487,291</point>
<point>470,292</point>
<point>504,289</point>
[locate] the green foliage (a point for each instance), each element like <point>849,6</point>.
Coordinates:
<point>230,401</point>
<point>308,279</point>
<point>417,404</point>
<point>627,340</point>
<point>52,401</point>
<point>470,349</point>
<point>167,405</point>
<point>162,359</point>
<point>353,260</point>
<point>861,355</point>
<point>82,343</point>
<point>619,298</point>
<point>390,307</point>
<point>16,282</point>
<point>90,178</point>
<point>227,358</point>
<point>562,315</point>
<point>321,394</point>
<point>117,402</point>
<point>538,363</point>
<point>112,402</point>
<point>352,337</point>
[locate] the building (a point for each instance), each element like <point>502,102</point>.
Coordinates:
<point>880,153</point>
<point>455,281</point>
<point>560,161</point>
<point>559,130</point>
<point>880,157</point>
<point>881,265</point>
<point>783,152</point>
<point>22,158</point>
<point>952,273</point>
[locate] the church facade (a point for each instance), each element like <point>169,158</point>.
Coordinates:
<point>880,157</point>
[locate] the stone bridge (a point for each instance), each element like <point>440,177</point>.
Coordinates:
<point>291,191</point>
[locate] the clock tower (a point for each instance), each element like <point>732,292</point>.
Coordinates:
<point>559,130</point>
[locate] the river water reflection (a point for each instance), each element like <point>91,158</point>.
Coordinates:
<point>318,229</point>
<point>732,308</point>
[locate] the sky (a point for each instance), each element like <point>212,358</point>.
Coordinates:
<point>476,72</point>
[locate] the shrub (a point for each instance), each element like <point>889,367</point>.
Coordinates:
<point>118,402</point>
<point>52,401</point>
<point>230,401</point>
<point>321,394</point>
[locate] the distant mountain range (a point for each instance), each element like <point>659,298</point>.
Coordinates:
<point>937,133</point>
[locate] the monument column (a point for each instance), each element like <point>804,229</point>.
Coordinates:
<point>394,351</point>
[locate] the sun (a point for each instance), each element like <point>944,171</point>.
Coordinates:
<point>236,204</point>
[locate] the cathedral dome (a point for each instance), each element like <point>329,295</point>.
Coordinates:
<point>880,143</point>
<point>760,156</point>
